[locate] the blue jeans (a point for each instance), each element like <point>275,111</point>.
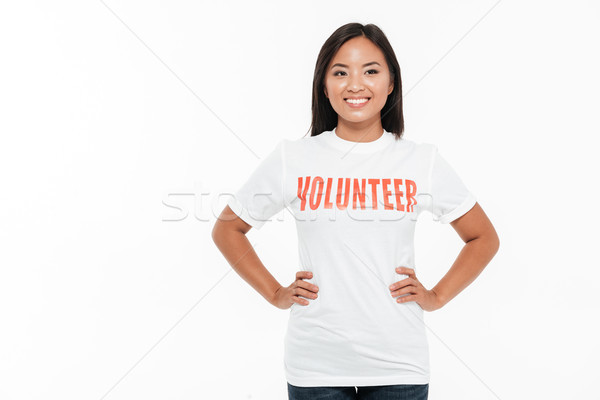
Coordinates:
<point>388,392</point>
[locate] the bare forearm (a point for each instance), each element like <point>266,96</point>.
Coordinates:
<point>240,254</point>
<point>470,262</point>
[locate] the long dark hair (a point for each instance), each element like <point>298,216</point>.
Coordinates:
<point>324,117</point>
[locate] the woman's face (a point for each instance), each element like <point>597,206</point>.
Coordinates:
<point>358,71</point>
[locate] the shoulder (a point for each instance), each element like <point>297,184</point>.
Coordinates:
<point>418,149</point>
<point>302,144</point>
<point>419,145</point>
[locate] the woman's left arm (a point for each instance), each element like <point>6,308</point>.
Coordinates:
<point>481,245</point>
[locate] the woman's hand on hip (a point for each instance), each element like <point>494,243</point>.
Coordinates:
<point>426,299</point>
<point>285,297</point>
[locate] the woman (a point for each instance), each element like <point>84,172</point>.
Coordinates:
<point>356,188</point>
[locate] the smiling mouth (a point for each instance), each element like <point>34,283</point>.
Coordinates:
<point>357,101</point>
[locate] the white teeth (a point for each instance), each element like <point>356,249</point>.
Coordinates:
<point>357,101</point>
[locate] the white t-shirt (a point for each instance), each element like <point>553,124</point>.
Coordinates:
<point>356,205</point>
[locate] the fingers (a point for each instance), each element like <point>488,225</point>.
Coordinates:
<point>402,283</point>
<point>405,270</point>
<point>308,286</point>
<point>408,288</point>
<point>300,301</point>
<point>306,293</point>
<point>298,291</point>
<point>407,298</point>
<point>304,275</point>
<point>303,288</point>
<point>404,290</point>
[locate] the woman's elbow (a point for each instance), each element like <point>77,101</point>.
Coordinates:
<point>216,232</point>
<point>493,241</point>
<point>496,244</point>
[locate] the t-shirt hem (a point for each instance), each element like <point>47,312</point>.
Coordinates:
<point>459,211</point>
<point>238,208</point>
<point>359,380</point>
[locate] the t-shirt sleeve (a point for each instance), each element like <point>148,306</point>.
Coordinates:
<point>261,196</point>
<point>450,197</point>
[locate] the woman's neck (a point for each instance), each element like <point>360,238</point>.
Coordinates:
<point>359,132</point>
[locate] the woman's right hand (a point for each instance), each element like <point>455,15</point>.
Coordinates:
<point>285,297</point>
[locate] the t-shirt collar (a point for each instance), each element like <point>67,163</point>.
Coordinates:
<point>358,147</point>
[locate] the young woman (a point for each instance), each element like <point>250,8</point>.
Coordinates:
<point>356,188</point>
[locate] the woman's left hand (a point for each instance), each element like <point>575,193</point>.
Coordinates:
<point>428,300</point>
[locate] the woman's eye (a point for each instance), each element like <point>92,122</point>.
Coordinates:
<point>374,71</point>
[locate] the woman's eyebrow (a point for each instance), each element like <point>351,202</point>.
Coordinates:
<point>345,66</point>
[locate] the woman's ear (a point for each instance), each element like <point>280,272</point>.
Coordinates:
<point>325,90</point>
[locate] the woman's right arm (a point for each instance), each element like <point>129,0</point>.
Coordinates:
<point>229,235</point>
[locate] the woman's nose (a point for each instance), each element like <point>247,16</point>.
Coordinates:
<point>355,83</point>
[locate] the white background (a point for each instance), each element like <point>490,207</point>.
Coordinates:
<point>122,123</point>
